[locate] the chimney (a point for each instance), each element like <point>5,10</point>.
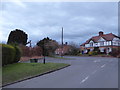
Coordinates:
<point>66,43</point>
<point>101,33</point>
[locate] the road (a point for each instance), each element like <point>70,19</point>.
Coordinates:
<point>84,72</point>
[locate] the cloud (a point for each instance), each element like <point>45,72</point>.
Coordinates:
<point>81,20</point>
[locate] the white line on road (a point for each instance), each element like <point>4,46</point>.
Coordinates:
<point>97,61</point>
<point>84,80</point>
<point>94,72</point>
<point>103,66</point>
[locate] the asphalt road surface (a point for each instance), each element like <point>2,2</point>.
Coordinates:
<point>84,72</point>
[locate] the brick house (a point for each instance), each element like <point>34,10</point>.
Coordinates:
<point>105,43</point>
<point>66,48</point>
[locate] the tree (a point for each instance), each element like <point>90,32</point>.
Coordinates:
<point>48,45</point>
<point>74,50</point>
<point>17,36</point>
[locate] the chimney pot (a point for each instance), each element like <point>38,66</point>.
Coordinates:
<point>101,33</point>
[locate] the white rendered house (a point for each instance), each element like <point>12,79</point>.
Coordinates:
<point>105,42</point>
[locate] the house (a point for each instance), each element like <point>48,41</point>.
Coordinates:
<point>105,43</point>
<point>62,50</point>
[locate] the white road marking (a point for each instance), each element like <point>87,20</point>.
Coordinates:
<point>94,72</point>
<point>84,80</point>
<point>97,61</point>
<point>103,66</point>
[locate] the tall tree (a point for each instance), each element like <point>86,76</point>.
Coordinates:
<point>17,36</point>
<point>48,45</point>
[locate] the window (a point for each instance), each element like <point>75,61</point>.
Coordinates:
<point>102,43</point>
<point>101,49</point>
<point>91,44</point>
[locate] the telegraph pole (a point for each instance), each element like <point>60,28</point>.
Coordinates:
<point>62,43</point>
<point>44,52</point>
<point>30,44</point>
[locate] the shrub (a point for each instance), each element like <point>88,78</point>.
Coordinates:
<point>90,53</point>
<point>25,51</point>
<point>93,53</point>
<point>36,51</point>
<point>30,51</point>
<point>8,54</point>
<point>96,50</point>
<point>17,54</point>
<point>115,52</point>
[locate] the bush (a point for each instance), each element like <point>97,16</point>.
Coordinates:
<point>30,51</point>
<point>36,51</point>
<point>96,50</point>
<point>8,54</point>
<point>115,52</point>
<point>90,53</point>
<point>25,50</point>
<point>17,54</point>
<point>93,53</point>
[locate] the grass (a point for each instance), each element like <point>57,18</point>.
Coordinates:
<point>59,57</point>
<point>20,71</point>
<point>98,55</point>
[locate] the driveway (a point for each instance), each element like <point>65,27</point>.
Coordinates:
<point>84,72</point>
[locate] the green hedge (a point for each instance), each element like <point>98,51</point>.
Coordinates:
<point>17,54</point>
<point>10,54</point>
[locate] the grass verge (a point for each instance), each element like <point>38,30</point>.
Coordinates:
<point>20,71</point>
<point>59,57</point>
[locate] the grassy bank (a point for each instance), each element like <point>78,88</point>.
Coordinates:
<point>59,57</point>
<point>19,71</point>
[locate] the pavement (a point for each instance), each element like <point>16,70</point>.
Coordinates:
<point>84,72</point>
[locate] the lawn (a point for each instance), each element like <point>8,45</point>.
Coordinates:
<point>59,57</point>
<point>20,71</point>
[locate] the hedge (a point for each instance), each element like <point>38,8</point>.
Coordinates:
<point>17,54</point>
<point>10,54</point>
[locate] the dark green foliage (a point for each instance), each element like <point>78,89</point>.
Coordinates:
<point>17,54</point>
<point>88,51</point>
<point>8,54</point>
<point>17,36</point>
<point>48,45</point>
<point>97,50</point>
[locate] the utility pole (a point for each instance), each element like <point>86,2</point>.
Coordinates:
<point>44,52</point>
<point>30,44</point>
<point>62,43</point>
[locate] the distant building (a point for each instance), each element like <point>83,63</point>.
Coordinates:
<point>63,50</point>
<point>105,42</point>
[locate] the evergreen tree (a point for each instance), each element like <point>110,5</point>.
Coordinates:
<point>18,37</point>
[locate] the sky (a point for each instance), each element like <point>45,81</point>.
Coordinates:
<point>80,20</point>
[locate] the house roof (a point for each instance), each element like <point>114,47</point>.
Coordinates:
<point>107,37</point>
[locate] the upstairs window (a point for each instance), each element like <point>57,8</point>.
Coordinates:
<point>91,44</point>
<point>102,43</point>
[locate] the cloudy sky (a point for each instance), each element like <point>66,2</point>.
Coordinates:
<point>81,20</point>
